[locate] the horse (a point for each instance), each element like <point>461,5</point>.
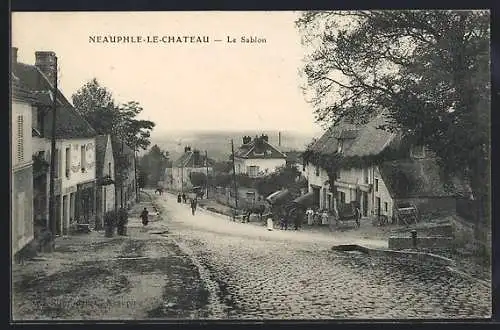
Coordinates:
<point>257,209</point>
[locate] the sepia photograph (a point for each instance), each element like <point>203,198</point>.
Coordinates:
<point>250,165</point>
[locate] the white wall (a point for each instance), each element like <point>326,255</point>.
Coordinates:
<point>182,174</point>
<point>264,165</point>
<point>25,110</point>
<point>384,195</point>
<point>76,175</point>
<point>21,194</point>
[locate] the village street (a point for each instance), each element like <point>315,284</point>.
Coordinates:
<point>276,274</point>
<point>206,266</point>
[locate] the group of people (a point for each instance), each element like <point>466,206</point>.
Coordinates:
<point>183,198</point>
<point>284,218</point>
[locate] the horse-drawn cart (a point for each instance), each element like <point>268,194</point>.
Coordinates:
<point>346,213</point>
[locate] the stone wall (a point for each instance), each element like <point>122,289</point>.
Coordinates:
<point>400,243</point>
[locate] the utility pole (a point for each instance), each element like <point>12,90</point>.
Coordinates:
<point>122,156</point>
<point>206,165</point>
<point>52,198</point>
<point>137,192</point>
<point>234,177</point>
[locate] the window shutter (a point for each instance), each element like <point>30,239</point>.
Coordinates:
<point>20,139</point>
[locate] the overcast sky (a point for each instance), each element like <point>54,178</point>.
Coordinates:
<point>181,85</point>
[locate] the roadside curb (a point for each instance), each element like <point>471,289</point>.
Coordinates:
<point>418,257</point>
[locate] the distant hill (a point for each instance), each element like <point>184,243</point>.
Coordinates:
<point>218,143</point>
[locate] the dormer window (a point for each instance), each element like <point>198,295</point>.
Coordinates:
<point>417,151</point>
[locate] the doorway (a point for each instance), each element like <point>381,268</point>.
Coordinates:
<point>316,194</point>
<point>377,199</point>
<point>65,216</point>
<point>58,214</point>
<point>365,204</point>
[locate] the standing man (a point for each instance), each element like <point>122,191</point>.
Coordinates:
<point>193,205</point>
<point>145,217</point>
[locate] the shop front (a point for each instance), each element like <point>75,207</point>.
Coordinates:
<point>86,203</point>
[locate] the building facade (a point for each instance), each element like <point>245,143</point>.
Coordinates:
<point>257,157</point>
<point>192,161</point>
<point>105,173</point>
<point>125,173</point>
<point>21,194</point>
<point>74,180</point>
<point>379,188</point>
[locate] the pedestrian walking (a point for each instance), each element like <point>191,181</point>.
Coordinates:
<point>179,198</point>
<point>184,198</point>
<point>145,217</point>
<point>194,202</point>
<point>270,224</point>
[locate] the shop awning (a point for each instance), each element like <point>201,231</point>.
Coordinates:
<point>278,197</point>
<point>305,200</point>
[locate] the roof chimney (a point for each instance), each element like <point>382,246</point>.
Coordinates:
<point>46,61</point>
<point>14,55</point>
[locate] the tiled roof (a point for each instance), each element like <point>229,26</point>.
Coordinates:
<point>188,160</point>
<point>412,178</point>
<point>256,150</point>
<point>357,140</point>
<point>69,123</point>
<point>100,153</point>
<point>20,91</point>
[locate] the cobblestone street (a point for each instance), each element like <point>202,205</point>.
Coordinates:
<point>295,275</point>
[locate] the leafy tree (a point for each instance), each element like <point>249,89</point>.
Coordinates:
<point>153,165</point>
<point>428,69</point>
<point>134,131</point>
<point>223,167</point>
<point>97,106</point>
<point>286,177</point>
<point>142,179</point>
<point>198,179</point>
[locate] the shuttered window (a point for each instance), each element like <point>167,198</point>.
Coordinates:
<point>20,139</point>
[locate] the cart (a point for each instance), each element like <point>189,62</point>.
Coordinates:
<point>348,213</point>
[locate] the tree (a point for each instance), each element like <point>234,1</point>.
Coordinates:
<point>153,165</point>
<point>97,106</point>
<point>142,179</point>
<point>428,69</point>
<point>198,179</point>
<point>286,177</point>
<point>136,132</point>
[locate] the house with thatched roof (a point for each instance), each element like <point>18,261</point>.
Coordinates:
<point>75,175</point>
<point>377,169</point>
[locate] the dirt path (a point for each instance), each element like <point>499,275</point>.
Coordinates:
<point>141,276</point>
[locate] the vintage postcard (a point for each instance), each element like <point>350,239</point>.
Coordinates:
<point>250,165</point>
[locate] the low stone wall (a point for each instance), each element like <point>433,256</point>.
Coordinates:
<point>427,230</point>
<point>400,256</point>
<point>400,243</point>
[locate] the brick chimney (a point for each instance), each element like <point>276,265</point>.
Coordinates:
<point>14,55</point>
<point>46,62</point>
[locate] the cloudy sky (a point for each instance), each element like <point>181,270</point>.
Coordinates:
<point>180,85</point>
